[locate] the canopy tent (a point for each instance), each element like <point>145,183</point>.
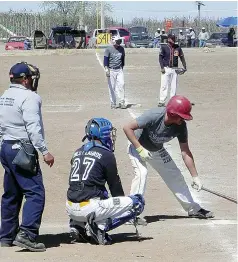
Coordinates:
<point>228,21</point>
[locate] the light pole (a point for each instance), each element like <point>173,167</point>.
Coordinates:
<point>102,15</point>
<point>199,3</point>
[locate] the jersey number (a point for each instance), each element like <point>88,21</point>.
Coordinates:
<point>88,162</point>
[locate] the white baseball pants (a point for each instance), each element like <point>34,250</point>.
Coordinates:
<point>169,80</point>
<point>116,85</point>
<point>169,172</point>
<point>113,207</point>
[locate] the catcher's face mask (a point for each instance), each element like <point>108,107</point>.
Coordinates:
<point>34,78</point>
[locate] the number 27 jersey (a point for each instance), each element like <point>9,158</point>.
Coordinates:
<point>90,171</point>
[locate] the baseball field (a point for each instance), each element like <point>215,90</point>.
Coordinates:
<point>74,89</point>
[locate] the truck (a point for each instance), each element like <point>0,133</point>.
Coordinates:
<point>140,37</point>
<point>60,37</point>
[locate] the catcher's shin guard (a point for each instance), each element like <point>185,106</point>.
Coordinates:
<point>137,209</point>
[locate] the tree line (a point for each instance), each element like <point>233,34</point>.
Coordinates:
<point>80,13</point>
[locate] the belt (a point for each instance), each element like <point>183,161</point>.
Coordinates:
<point>10,141</point>
<point>81,204</point>
<point>115,68</point>
<point>15,141</point>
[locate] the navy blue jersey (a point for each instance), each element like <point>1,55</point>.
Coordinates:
<point>90,171</point>
<point>169,56</point>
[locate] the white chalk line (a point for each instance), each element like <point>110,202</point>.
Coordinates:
<point>196,222</point>
<point>173,152</point>
<point>62,108</point>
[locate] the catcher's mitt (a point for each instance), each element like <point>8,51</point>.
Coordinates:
<point>180,71</point>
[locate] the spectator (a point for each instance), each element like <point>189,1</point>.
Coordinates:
<point>27,44</point>
<point>231,35</point>
<point>203,37</point>
<point>157,38</point>
<point>163,36</point>
<point>192,37</point>
<point>181,38</point>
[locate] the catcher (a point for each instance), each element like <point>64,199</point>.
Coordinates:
<point>92,212</point>
<point>168,59</point>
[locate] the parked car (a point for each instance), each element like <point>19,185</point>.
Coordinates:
<point>123,32</point>
<point>140,37</point>
<point>40,40</point>
<point>219,39</point>
<point>60,37</point>
<point>15,42</point>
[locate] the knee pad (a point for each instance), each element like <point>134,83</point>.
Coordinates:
<point>138,203</point>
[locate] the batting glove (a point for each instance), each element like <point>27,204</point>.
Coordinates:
<point>107,72</point>
<point>144,153</point>
<point>197,184</point>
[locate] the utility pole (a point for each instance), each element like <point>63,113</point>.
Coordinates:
<point>102,15</point>
<point>82,14</point>
<point>199,3</point>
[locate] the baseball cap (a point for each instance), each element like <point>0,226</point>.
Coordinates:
<point>20,70</point>
<point>116,40</point>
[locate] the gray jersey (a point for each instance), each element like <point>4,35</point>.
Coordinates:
<point>116,56</point>
<point>20,116</point>
<point>153,133</point>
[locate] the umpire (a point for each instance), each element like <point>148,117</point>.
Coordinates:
<point>22,135</point>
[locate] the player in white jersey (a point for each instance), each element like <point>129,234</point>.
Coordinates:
<point>114,62</point>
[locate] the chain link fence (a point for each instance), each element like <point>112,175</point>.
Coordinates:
<point>25,23</point>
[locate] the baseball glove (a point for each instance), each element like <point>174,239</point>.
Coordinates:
<point>180,71</point>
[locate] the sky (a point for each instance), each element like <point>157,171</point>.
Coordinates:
<point>147,9</point>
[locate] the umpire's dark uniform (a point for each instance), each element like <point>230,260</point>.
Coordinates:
<point>21,126</point>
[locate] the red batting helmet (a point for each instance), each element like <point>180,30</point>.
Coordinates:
<point>181,106</point>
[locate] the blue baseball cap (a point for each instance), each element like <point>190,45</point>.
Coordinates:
<point>20,70</point>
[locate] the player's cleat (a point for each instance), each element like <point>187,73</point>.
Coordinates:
<point>202,214</point>
<point>113,106</point>
<point>122,106</point>
<point>138,221</point>
<point>78,234</point>
<point>98,235</point>
<point>24,241</point>
<point>161,104</point>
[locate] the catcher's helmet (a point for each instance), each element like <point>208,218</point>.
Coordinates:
<point>102,130</point>
<point>181,106</point>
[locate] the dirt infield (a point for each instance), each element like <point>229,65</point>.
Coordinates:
<point>73,88</point>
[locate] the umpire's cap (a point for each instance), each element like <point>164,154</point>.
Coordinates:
<point>23,69</point>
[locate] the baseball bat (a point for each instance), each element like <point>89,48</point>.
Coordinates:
<point>220,194</point>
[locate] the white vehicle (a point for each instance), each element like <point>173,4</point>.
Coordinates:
<point>102,38</point>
